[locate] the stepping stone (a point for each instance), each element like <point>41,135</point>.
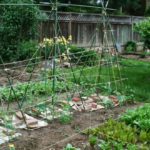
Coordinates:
<point>7,134</point>
<point>31,122</point>
<point>76,99</point>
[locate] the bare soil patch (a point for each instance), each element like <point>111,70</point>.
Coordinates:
<point>56,135</point>
<point>137,57</point>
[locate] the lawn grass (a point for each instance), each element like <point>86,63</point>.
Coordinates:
<point>85,79</point>
<point>138,74</point>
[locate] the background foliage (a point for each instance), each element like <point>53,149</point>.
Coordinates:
<point>18,23</point>
<point>143,29</point>
<point>128,7</point>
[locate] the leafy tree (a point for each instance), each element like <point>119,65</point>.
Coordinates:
<point>18,23</point>
<point>132,7</point>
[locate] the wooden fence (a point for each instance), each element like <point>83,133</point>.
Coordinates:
<point>83,27</point>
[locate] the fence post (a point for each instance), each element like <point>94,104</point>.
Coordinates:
<point>70,24</point>
<point>132,32</point>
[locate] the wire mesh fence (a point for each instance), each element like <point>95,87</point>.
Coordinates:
<point>57,78</point>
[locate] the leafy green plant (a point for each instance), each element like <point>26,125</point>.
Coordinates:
<point>107,89</point>
<point>130,46</point>
<point>92,140</point>
<point>46,73</point>
<point>7,94</point>
<point>70,147</point>
<point>106,145</point>
<point>143,29</point>
<point>125,99</point>
<point>8,123</point>
<point>107,103</point>
<point>42,88</point>
<point>119,135</point>
<point>82,56</point>
<point>118,131</point>
<point>143,136</point>
<point>27,50</point>
<point>139,117</point>
<point>65,118</point>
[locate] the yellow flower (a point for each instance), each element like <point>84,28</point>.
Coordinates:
<point>70,38</point>
<point>11,147</point>
<point>64,56</point>
<point>68,50</point>
<point>47,42</point>
<point>42,45</point>
<point>59,40</point>
<point>64,40</point>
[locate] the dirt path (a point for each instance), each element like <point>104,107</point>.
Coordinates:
<point>56,135</point>
<point>137,57</point>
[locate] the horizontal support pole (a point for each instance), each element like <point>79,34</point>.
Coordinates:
<point>51,4</point>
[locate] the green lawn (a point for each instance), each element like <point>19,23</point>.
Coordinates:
<point>138,74</point>
<point>89,79</point>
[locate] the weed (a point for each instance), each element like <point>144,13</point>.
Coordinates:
<point>70,147</point>
<point>65,118</point>
<point>92,140</point>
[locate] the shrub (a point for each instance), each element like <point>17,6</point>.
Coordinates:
<point>18,23</point>
<point>27,50</point>
<point>147,12</point>
<point>83,56</point>
<point>143,29</point>
<point>130,46</point>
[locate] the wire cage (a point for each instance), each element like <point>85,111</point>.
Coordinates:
<point>60,78</point>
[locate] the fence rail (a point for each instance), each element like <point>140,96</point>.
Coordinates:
<point>83,26</point>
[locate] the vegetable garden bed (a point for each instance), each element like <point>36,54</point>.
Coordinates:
<point>57,136</point>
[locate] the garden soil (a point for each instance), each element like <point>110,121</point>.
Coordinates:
<point>56,136</point>
<point>136,57</point>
